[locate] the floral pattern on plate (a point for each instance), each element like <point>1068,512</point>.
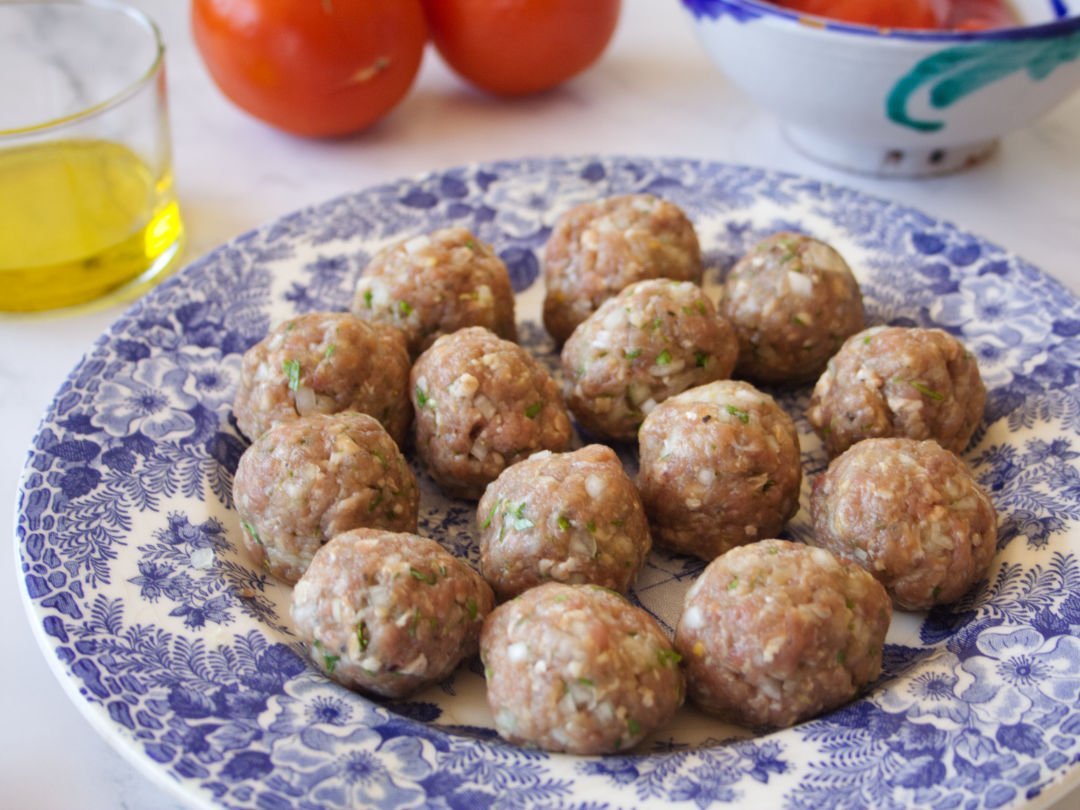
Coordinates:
<point>147,608</point>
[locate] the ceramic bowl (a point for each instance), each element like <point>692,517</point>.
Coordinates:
<point>894,102</point>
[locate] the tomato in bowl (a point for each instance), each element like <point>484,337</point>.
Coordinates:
<point>890,100</point>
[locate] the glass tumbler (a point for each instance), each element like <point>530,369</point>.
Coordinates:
<point>87,208</point>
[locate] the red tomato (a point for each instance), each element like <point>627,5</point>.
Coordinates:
<point>312,67</point>
<point>516,47</point>
<point>884,13</point>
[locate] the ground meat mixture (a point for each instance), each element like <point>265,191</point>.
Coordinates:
<point>720,467</point>
<point>325,362</point>
<point>569,517</point>
<point>435,284</point>
<point>388,613</point>
<point>774,633</point>
<point>577,668</point>
<point>483,403</point>
<point>898,381</point>
<point>305,481</point>
<point>911,514</point>
<point>793,301</point>
<point>654,339</point>
<point>598,248</point>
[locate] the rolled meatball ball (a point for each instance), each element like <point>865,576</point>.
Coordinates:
<point>577,668</point>
<point>597,248</point>
<point>774,633</point>
<point>898,381</point>
<point>389,613</point>
<point>303,482</point>
<point>793,301</point>
<point>322,363</point>
<point>482,403</point>
<point>720,467</point>
<point>437,283</point>
<point>911,514</point>
<point>569,517</point>
<point>654,339</point>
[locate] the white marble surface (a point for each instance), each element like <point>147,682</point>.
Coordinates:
<point>654,93</point>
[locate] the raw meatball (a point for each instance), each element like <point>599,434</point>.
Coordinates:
<point>437,283</point>
<point>720,467</point>
<point>577,668</point>
<point>569,517</point>
<point>304,481</point>
<point>325,362</point>
<point>793,301</point>
<point>911,514</point>
<point>482,404</point>
<point>898,381</point>
<point>654,339</point>
<point>388,613</point>
<point>598,248</point>
<point>774,633</point>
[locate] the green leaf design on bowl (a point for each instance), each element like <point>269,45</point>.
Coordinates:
<point>957,72</point>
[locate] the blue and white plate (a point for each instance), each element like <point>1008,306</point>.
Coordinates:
<point>181,651</point>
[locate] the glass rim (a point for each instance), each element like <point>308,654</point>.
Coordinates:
<point>112,101</point>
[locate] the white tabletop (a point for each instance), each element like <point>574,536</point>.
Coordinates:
<point>654,93</point>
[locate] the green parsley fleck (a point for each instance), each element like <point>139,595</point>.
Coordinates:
<point>841,657</point>
<point>378,454</point>
<point>618,524</point>
<point>533,410</point>
<point>367,298</point>
<point>668,658</point>
<point>564,524</point>
<point>927,391</point>
<point>473,609</point>
<point>633,726</point>
<point>591,526</point>
<point>700,359</point>
<point>251,531</point>
<point>329,661</point>
<point>421,397</point>
<point>405,308</point>
<point>378,500</point>
<point>471,244</point>
<point>362,636</point>
<point>417,574</point>
<point>520,521</point>
<point>491,515</point>
<point>866,340</point>
<point>733,584</point>
<point>292,372</point>
<point>663,358</point>
<point>739,413</point>
<point>633,354</point>
<point>586,681</point>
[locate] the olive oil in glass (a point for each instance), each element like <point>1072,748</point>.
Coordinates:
<point>79,219</point>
